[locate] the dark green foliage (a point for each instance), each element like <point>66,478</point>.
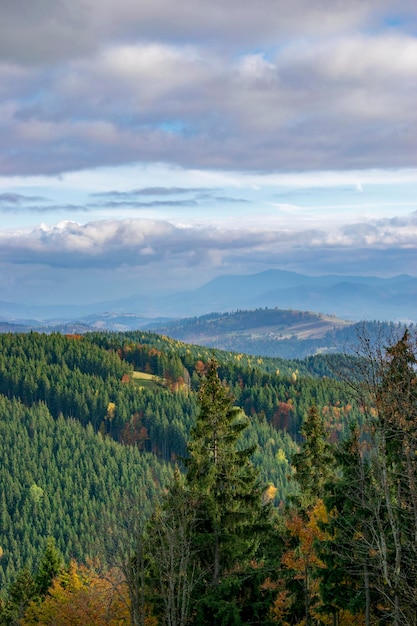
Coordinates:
<point>70,405</point>
<point>44,367</point>
<point>80,376</point>
<point>26,587</point>
<point>58,479</point>
<point>176,572</point>
<point>231,514</point>
<point>49,566</point>
<point>222,477</point>
<point>77,379</point>
<point>314,464</point>
<point>348,557</point>
<point>170,350</point>
<point>19,593</point>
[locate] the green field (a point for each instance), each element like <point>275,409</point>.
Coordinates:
<point>148,381</point>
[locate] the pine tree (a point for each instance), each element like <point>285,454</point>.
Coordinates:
<point>230,510</point>
<point>20,592</point>
<point>348,554</point>
<point>314,464</point>
<point>49,567</point>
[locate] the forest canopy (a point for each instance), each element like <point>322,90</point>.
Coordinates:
<point>285,488</point>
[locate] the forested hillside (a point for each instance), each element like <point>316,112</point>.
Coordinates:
<point>60,479</point>
<point>288,334</point>
<point>92,428</point>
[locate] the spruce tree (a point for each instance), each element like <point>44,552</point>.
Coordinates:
<point>348,554</point>
<point>231,514</point>
<point>49,567</point>
<point>314,463</point>
<point>19,593</point>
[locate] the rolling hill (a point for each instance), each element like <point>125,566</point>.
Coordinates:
<point>274,332</point>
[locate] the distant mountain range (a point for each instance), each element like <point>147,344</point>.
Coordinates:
<point>348,297</point>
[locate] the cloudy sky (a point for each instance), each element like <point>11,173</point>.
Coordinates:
<point>150,145</point>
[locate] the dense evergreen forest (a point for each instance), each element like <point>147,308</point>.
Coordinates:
<point>147,481</point>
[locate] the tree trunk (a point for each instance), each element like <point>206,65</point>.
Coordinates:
<point>367,596</point>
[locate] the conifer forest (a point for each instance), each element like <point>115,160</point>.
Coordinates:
<point>148,482</point>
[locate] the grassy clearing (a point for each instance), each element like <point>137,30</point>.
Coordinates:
<point>148,381</point>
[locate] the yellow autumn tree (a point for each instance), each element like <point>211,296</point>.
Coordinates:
<point>302,561</point>
<point>80,596</point>
<point>302,565</point>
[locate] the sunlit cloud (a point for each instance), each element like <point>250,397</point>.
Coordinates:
<point>136,242</point>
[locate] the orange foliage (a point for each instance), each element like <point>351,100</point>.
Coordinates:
<point>344,618</point>
<point>304,556</point>
<point>80,596</point>
<point>304,563</point>
<point>281,418</point>
<point>200,368</point>
<point>280,608</point>
<point>134,433</point>
<point>303,560</point>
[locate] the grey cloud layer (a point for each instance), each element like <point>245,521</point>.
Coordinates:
<point>103,84</point>
<point>208,196</point>
<point>131,243</point>
<point>38,31</point>
<point>154,191</point>
<point>158,198</point>
<point>17,199</point>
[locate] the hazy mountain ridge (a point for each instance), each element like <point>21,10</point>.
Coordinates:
<point>348,297</point>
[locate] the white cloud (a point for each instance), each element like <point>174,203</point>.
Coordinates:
<point>112,243</point>
<point>107,259</point>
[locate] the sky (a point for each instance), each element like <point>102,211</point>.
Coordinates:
<point>148,146</point>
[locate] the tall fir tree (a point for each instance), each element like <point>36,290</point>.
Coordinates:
<point>49,567</point>
<point>231,513</point>
<point>314,463</point>
<point>19,593</point>
<point>348,552</point>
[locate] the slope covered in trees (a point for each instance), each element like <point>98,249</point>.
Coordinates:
<point>250,528</point>
<point>78,433</point>
<point>275,332</point>
<point>60,479</point>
